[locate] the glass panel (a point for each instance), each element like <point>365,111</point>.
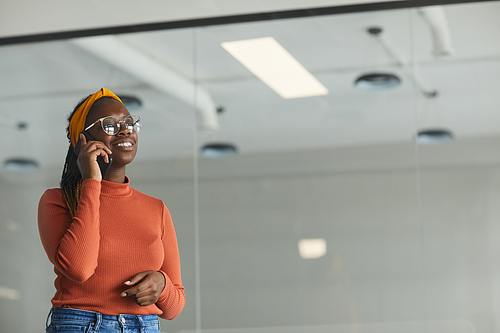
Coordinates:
<point>336,170</point>
<point>459,178</point>
<point>45,81</point>
<point>330,217</point>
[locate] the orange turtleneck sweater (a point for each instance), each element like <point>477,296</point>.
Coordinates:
<point>117,232</point>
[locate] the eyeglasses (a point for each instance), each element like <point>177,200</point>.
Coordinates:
<point>111,126</point>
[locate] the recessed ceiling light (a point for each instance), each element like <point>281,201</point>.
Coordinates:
<point>131,102</point>
<point>312,248</point>
<point>276,67</point>
<point>20,165</point>
<point>377,81</point>
<point>434,136</point>
<point>216,150</point>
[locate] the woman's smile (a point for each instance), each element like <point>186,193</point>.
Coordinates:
<point>126,144</point>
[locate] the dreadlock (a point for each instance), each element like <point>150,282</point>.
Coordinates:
<point>71,179</point>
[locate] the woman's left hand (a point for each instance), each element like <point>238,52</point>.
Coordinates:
<point>147,287</point>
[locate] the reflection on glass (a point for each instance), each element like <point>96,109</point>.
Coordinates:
<point>312,248</point>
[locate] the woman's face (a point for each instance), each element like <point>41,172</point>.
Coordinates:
<point>123,145</point>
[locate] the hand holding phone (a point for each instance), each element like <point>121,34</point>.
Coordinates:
<point>103,166</point>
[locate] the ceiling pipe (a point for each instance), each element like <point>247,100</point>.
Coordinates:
<point>421,84</point>
<point>154,73</point>
<point>436,18</point>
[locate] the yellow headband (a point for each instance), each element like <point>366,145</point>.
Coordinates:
<point>77,123</point>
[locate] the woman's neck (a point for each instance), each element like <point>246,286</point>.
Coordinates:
<point>116,175</point>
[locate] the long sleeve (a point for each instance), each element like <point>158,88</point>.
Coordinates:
<point>116,233</point>
<point>72,245</point>
<point>172,299</point>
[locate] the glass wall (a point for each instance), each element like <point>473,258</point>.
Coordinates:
<point>45,82</point>
<point>404,228</point>
<point>459,179</point>
<point>335,173</point>
<point>333,215</point>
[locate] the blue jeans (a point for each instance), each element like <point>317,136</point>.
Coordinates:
<point>65,320</point>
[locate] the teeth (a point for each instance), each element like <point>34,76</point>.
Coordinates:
<point>125,144</point>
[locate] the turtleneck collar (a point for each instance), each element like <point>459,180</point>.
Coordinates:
<point>111,189</point>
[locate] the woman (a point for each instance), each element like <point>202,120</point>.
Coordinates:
<point>114,249</point>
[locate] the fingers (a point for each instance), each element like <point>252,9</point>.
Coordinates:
<point>146,300</point>
<point>87,158</point>
<point>83,138</point>
<point>89,146</point>
<point>147,287</point>
<point>104,154</point>
<point>92,146</point>
<point>147,296</point>
<point>137,278</point>
<point>142,283</point>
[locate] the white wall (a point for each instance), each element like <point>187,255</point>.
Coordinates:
<point>390,259</point>
<point>393,262</point>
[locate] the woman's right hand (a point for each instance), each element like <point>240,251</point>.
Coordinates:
<point>87,159</point>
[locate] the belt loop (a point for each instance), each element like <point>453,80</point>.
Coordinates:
<point>98,321</point>
<point>49,316</point>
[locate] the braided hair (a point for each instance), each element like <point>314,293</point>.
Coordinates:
<point>71,179</point>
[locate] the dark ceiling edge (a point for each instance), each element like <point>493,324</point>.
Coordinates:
<point>203,22</point>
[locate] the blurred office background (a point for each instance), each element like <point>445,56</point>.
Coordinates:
<point>369,205</point>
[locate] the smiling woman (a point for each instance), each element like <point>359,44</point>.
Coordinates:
<point>119,141</point>
<point>116,265</point>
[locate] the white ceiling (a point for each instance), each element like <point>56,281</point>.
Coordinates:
<point>41,82</point>
<point>35,17</point>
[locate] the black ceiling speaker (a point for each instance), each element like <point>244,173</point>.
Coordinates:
<point>131,102</point>
<point>20,165</point>
<point>377,81</point>
<point>434,136</point>
<point>216,150</point>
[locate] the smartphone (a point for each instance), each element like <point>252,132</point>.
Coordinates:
<point>100,160</point>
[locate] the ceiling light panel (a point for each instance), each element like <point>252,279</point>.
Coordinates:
<point>277,68</point>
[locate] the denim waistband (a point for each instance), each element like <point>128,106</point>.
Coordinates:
<point>58,315</point>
